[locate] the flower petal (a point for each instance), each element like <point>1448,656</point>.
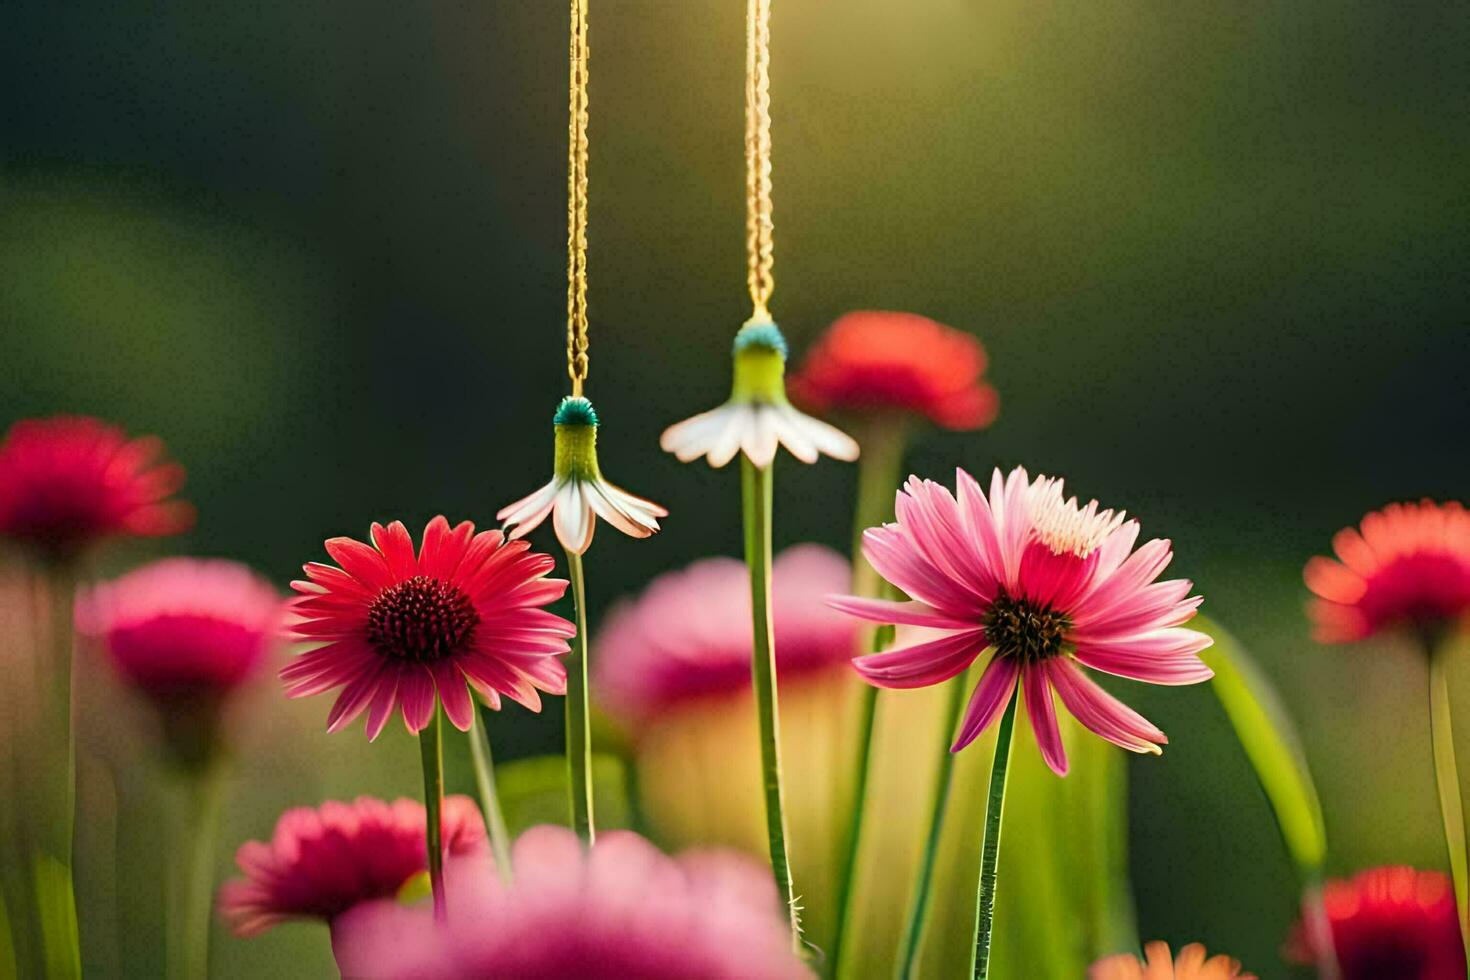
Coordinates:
<point>1043,714</point>
<point>1100,712</point>
<point>990,698</point>
<point>1165,656</point>
<point>922,664</point>
<point>912,613</point>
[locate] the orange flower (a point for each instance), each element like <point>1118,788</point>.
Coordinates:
<point>1190,965</point>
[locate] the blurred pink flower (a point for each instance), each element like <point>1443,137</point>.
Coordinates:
<point>1389,922</point>
<point>622,910</point>
<point>321,862</point>
<point>184,632</point>
<point>1191,964</point>
<point>1405,566</point>
<point>882,361</point>
<point>688,634</point>
<point>69,481</point>
<point>398,628</point>
<point>1046,585</point>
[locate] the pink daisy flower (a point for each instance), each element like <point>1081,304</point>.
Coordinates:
<point>689,635</point>
<point>620,910</point>
<point>321,862</point>
<point>1405,566</point>
<point>1389,922</point>
<point>69,481</point>
<point>184,632</point>
<point>399,627</point>
<point>1049,587</point>
<point>876,361</point>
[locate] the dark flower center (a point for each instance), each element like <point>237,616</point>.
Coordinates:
<point>1024,630</point>
<point>421,619</point>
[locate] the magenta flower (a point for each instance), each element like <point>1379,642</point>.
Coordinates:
<point>621,910</point>
<point>70,481</point>
<point>185,633</point>
<point>1047,586</point>
<point>183,627</point>
<point>1407,566</point>
<point>688,634</point>
<point>321,862</point>
<point>399,627</point>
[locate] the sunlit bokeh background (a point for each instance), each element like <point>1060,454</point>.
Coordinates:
<point>1217,252</point>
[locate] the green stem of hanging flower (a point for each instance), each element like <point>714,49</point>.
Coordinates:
<point>755,486</point>
<point>490,797</point>
<point>913,932</point>
<point>883,443</point>
<point>431,749</point>
<point>1447,777</point>
<point>187,955</point>
<point>579,722</point>
<point>990,843</point>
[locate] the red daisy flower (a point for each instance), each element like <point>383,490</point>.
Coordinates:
<point>398,628</point>
<point>1407,565</point>
<point>875,360</point>
<point>1389,922</point>
<point>69,481</point>
<point>322,862</point>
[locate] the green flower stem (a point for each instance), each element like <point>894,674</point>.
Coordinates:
<point>431,749</point>
<point>755,487</point>
<point>846,897</point>
<point>883,445</point>
<point>187,941</point>
<point>53,819</point>
<point>990,846</point>
<point>579,722</point>
<point>880,469</point>
<point>1447,777</point>
<point>490,797</point>
<point>913,932</point>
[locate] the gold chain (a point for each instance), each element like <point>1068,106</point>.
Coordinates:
<point>759,246</point>
<point>577,201</point>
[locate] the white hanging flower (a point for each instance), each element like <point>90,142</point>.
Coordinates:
<point>577,494</point>
<point>757,417</point>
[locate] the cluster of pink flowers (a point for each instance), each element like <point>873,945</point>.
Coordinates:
<point>622,909</point>
<point>1036,591</point>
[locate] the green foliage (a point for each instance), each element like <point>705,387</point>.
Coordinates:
<point>1269,739</point>
<point>534,791</point>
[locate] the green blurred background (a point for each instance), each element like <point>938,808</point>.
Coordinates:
<point>1217,252</point>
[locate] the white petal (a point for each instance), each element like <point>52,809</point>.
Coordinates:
<point>760,440</point>
<point>643,512</point>
<point>738,424</point>
<point>690,438</point>
<point>524,516</point>
<point>793,436</point>
<point>573,519</point>
<point>608,511</point>
<point>828,439</point>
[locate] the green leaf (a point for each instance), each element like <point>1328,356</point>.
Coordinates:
<point>1266,733</point>
<point>534,791</point>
